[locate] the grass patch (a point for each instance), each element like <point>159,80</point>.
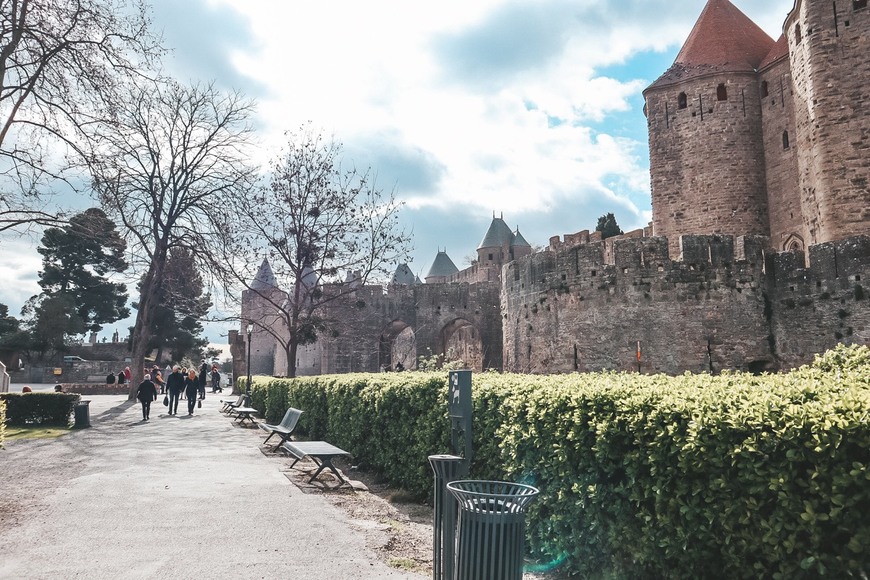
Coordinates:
<point>404,564</point>
<point>17,433</point>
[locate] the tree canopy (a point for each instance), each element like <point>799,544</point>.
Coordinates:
<point>181,306</point>
<point>608,227</point>
<point>324,230</point>
<point>76,260</point>
<point>61,64</point>
<point>168,169</point>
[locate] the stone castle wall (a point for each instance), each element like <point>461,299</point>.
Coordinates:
<point>725,305</point>
<point>438,314</point>
<point>780,137</point>
<point>828,46</point>
<point>707,158</point>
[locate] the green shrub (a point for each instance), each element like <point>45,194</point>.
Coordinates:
<point>2,423</point>
<point>39,408</point>
<point>640,476</point>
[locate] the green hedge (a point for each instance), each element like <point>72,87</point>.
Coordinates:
<point>2,423</point>
<point>39,408</point>
<point>641,476</point>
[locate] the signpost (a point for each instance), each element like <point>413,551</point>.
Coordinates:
<point>449,468</point>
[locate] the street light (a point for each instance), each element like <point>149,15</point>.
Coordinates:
<point>248,384</point>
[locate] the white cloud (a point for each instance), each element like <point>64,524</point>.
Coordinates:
<point>19,268</point>
<point>504,105</point>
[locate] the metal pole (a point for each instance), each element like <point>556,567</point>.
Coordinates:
<point>248,384</point>
<point>447,468</point>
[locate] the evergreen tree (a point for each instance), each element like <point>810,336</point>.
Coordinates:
<point>11,335</point>
<point>76,260</point>
<point>182,304</point>
<point>608,227</point>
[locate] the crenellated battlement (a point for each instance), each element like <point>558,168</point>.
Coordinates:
<point>724,303</point>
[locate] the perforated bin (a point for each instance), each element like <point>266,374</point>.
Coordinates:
<point>82,414</point>
<point>491,534</point>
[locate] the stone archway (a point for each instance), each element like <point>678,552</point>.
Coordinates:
<point>398,344</point>
<point>460,340</point>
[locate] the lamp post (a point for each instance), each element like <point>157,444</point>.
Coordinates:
<point>248,384</point>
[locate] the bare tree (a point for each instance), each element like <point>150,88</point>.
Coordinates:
<point>323,229</point>
<point>61,63</point>
<point>167,171</point>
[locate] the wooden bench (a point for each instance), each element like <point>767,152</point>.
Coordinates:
<point>284,429</point>
<point>321,452</point>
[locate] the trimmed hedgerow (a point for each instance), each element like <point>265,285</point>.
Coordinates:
<point>2,423</point>
<point>640,476</point>
<point>39,408</point>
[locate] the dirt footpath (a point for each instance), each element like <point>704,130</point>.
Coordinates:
<point>174,497</point>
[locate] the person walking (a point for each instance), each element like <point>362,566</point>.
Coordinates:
<point>191,390</point>
<point>157,379</point>
<point>146,393</point>
<point>203,375</point>
<point>216,380</point>
<point>174,385</point>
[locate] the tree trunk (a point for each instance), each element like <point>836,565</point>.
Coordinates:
<point>142,330</point>
<point>291,358</point>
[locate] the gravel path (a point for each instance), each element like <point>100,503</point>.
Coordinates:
<point>174,497</point>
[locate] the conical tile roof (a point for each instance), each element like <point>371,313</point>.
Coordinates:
<point>519,240</point>
<point>265,278</point>
<point>404,276</point>
<point>723,40</point>
<point>442,266</point>
<point>779,50</point>
<point>498,234</point>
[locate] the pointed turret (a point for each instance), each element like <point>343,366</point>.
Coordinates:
<point>498,235</point>
<point>441,268</point>
<point>723,40</point>
<point>403,276</point>
<point>519,246</point>
<point>265,278</point>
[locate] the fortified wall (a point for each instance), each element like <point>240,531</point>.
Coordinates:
<point>380,326</point>
<point>726,303</point>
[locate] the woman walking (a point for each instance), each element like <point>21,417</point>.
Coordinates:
<point>191,390</point>
<point>146,393</point>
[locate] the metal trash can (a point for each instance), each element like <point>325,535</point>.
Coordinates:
<point>491,535</point>
<point>82,413</point>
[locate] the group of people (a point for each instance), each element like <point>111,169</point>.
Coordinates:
<point>178,380</point>
<point>123,377</point>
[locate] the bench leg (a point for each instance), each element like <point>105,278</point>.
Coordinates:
<point>325,462</point>
<point>278,445</point>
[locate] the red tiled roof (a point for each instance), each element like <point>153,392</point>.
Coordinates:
<point>779,50</point>
<point>723,40</point>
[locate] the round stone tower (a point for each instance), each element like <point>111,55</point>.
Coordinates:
<point>829,43</point>
<point>705,133</point>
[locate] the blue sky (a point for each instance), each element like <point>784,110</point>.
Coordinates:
<point>531,109</point>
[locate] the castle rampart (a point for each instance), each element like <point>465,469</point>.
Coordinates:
<point>724,305</point>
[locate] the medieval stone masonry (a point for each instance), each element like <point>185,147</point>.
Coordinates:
<point>757,257</point>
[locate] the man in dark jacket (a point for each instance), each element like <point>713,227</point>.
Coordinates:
<point>146,393</point>
<point>174,384</point>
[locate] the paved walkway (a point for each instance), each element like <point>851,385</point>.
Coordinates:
<point>176,497</point>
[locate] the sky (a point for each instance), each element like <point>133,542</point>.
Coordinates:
<point>526,109</point>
